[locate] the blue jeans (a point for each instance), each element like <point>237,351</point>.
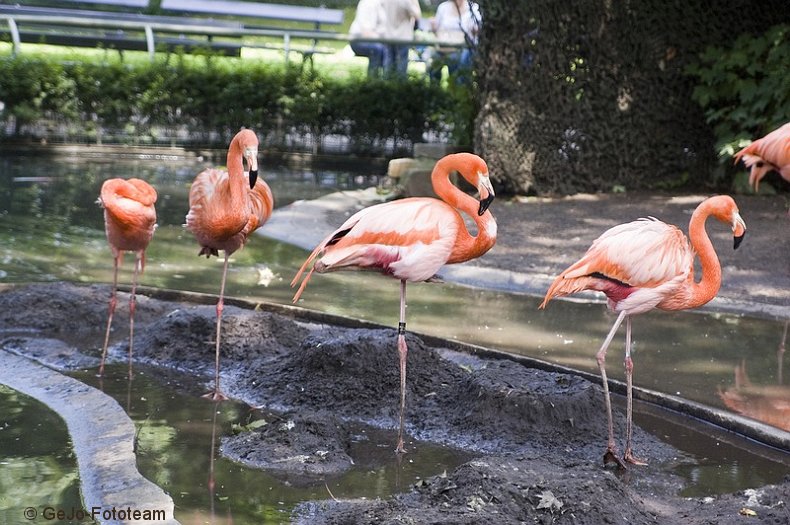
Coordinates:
<point>400,55</point>
<point>379,57</point>
<point>459,65</point>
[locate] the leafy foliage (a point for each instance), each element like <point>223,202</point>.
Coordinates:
<point>207,99</point>
<point>744,88</point>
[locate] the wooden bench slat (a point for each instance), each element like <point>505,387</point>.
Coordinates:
<point>319,15</point>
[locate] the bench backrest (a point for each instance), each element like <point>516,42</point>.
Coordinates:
<point>317,15</point>
<point>136,4</point>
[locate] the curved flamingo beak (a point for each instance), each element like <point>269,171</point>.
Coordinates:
<point>486,191</point>
<point>251,156</point>
<point>738,229</point>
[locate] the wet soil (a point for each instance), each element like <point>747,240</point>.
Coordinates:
<point>537,437</point>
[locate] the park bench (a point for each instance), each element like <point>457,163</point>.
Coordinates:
<point>223,32</point>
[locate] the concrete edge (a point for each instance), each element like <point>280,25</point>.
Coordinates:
<point>103,438</point>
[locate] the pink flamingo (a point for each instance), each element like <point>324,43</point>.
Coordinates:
<point>642,265</point>
<point>772,152</point>
<point>129,222</point>
<point>410,239</point>
<point>223,212</point>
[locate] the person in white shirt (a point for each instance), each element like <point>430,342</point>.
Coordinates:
<point>401,15</point>
<point>370,23</point>
<point>456,22</point>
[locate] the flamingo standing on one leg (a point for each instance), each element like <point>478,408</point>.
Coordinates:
<point>772,152</point>
<point>410,239</point>
<point>642,265</point>
<point>223,212</point>
<point>129,222</point>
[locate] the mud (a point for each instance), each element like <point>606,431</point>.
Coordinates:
<point>537,437</point>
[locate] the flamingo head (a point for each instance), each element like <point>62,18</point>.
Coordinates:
<point>475,171</point>
<point>248,141</point>
<point>725,210</point>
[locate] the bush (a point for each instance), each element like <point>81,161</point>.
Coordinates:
<point>205,100</point>
<point>744,89</point>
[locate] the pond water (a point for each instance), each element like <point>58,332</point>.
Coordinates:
<point>52,229</point>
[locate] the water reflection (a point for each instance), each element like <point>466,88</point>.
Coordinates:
<point>37,467</point>
<point>769,403</point>
<point>178,437</point>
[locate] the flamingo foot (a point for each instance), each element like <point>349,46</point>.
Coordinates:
<point>215,395</point>
<point>611,457</point>
<point>630,458</point>
<point>399,449</point>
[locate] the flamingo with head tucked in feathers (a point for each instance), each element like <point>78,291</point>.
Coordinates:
<point>224,210</point>
<point>642,265</point>
<point>410,239</point>
<point>772,152</point>
<point>129,222</point>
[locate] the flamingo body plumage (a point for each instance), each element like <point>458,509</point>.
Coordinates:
<point>412,238</point>
<point>224,210</point>
<point>647,264</point>
<point>771,152</point>
<point>129,223</point>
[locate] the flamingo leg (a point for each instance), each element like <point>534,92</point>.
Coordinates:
<point>113,302</point>
<point>402,354</point>
<point>132,307</point>
<point>629,424</point>
<point>216,394</point>
<point>611,449</point>
<point>781,353</point>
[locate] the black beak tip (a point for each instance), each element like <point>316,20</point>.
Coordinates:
<point>737,241</point>
<point>253,178</point>
<point>484,204</point>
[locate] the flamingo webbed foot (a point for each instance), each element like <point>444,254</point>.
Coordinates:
<point>400,449</point>
<point>630,458</point>
<point>611,457</point>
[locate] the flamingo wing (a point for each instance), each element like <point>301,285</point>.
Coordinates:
<point>261,205</point>
<point>645,253</point>
<point>409,239</point>
<point>129,212</point>
<point>769,152</point>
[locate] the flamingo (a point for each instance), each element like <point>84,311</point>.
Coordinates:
<point>223,212</point>
<point>129,222</point>
<point>772,152</point>
<point>410,239</point>
<point>642,265</point>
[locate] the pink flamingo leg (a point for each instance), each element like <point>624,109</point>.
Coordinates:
<point>402,354</point>
<point>611,450</point>
<point>132,307</point>
<point>113,301</point>
<point>216,394</point>
<point>629,425</point>
<point>780,354</point>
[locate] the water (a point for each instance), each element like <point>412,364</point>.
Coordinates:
<point>52,229</point>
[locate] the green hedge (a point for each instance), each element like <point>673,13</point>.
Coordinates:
<point>209,98</point>
<point>744,88</point>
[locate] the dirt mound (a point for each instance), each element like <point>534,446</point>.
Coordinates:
<point>538,436</point>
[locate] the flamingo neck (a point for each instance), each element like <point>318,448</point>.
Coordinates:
<point>235,166</point>
<point>467,246</point>
<point>708,286</point>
